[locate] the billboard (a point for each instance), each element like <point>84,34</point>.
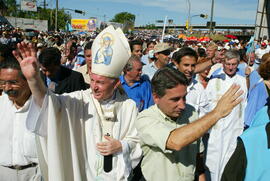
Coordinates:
<point>28,5</point>
<point>23,23</point>
<point>84,24</point>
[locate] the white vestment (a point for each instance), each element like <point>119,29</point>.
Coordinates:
<point>70,128</point>
<point>223,135</point>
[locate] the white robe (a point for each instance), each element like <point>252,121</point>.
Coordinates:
<point>70,129</point>
<point>223,135</point>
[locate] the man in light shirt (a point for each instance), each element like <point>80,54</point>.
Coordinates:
<point>18,158</point>
<point>170,130</point>
<point>223,136</point>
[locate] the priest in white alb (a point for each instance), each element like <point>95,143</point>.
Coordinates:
<point>85,135</point>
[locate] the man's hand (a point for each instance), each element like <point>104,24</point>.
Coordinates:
<point>228,101</point>
<point>27,57</point>
<point>109,147</point>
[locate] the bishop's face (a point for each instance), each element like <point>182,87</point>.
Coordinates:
<point>103,87</point>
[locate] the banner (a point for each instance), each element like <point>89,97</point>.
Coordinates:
<point>28,5</point>
<point>84,24</point>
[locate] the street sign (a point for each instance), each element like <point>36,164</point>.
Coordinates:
<point>213,24</point>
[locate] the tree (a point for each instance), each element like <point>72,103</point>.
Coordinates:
<point>125,18</point>
<point>12,8</point>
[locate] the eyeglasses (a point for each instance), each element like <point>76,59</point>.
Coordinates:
<point>10,82</point>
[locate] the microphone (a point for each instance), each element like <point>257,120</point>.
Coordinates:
<point>107,162</point>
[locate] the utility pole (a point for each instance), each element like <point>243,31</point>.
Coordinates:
<point>211,18</point>
<point>56,14</point>
<point>44,4</point>
<point>164,27</point>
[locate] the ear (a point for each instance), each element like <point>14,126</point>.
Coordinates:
<point>155,98</point>
<point>174,62</point>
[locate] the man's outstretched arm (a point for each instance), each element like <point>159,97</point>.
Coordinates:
<point>189,133</point>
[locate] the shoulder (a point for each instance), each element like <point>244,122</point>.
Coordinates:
<point>188,115</point>
<point>145,78</point>
<point>82,69</point>
<point>151,111</point>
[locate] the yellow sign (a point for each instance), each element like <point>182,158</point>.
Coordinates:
<point>84,24</point>
<point>187,24</point>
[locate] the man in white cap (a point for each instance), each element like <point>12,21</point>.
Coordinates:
<point>85,135</point>
<point>161,53</point>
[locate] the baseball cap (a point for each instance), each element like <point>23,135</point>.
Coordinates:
<point>160,47</point>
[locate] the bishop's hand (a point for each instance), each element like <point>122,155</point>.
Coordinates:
<point>109,147</point>
<point>27,56</point>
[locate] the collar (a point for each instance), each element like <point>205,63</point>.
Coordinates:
<point>123,81</point>
<point>192,84</point>
<point>24,108</point>
<point>164,116</point>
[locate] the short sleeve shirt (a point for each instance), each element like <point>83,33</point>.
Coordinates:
<point>159,163</point>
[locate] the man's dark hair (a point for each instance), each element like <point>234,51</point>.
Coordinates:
<point>201,52</point>
<point>149,43</point>
<point>50,56</point>
<point>185,51</point>
<point>167,78</point>
<point>134,42</point>
<point>10,62</point>
<point>5,50</point>
<point>88,46</point>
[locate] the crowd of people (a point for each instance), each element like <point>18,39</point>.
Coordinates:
<point>113,107</point>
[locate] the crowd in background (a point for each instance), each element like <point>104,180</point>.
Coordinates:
<point>210,69</point>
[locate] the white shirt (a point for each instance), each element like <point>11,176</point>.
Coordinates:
<point>260,52</point>
<point>196,96</point>
<point>149,70</point>
<point>17,143</point>
<point>223,135</point>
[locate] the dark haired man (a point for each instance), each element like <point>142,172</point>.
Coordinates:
<point>185,61</point>
<point>136,48</point>
<point>5,51</point>
<point>169,130</point>
<point>58,78</point>
<point>85,70</point>
<point>18,158</point>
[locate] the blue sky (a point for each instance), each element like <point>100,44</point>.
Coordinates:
<point>147,12</point>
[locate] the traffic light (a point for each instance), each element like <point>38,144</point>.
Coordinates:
<point>159,21</point>
<point>79,11</point>
<point>205,16</point>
